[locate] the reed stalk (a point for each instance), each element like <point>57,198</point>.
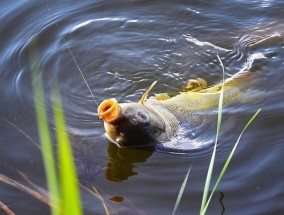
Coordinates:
<point>65,194</point>
<point>205,200</point>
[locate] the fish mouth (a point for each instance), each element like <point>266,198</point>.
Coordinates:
<point>109,110</point>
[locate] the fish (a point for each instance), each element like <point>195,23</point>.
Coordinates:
<point>160,118</point>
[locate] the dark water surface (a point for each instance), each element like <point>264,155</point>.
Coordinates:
<point>122,47</point>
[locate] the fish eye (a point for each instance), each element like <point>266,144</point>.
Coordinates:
<point>142,116</point>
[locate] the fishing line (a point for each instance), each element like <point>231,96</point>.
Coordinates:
<point>71,53</point>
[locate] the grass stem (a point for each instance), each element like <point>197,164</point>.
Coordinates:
<point>181,191</point>
<point>43,130</point>
<point>212,161</point>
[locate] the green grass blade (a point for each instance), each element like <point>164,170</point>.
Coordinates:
<point>212,161</point>
<point>70,194</point>
<point>229,160</point>
<point>43,129</point>
<point>181,191</point>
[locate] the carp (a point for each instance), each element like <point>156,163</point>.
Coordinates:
<point>161,117</point>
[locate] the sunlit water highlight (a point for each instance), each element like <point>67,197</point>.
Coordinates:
<point>121,49</point>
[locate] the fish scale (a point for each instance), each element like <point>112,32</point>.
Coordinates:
<point>162,118</point>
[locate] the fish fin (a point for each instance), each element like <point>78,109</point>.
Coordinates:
<point>162,96</point>
<point>195,85</point>
<point>202,82</point>
<point>144,96</point>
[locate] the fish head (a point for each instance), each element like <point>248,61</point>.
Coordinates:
<point>130,124</point>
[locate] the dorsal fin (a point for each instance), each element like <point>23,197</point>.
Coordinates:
<point>144,96</point>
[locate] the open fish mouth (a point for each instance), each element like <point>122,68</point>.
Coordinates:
<point>109,110</point>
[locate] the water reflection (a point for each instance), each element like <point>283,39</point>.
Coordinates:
<point>121,162</point>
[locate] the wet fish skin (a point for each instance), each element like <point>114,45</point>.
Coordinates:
<point>136,124</point>
<point>153,121</point>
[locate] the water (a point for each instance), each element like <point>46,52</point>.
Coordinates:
<point>121,48</point>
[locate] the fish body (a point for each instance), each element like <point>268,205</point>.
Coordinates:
<point>159,119</point>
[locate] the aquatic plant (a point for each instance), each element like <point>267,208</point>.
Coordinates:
<point>64,195</point>
<point>43,130</point>
<point>212,161</point>
<point>70,196</point>
<point>205,201</point>
<point>221,174</point>
<point>181,191</point>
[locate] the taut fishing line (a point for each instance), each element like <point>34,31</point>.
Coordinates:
<point>71,53</point>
